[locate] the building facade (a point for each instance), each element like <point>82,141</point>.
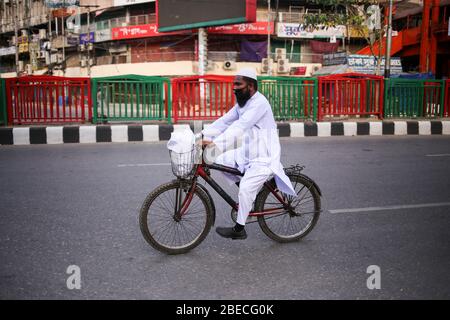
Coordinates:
<point>111,37</point>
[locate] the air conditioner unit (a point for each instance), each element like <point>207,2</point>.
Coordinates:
<point>280,53</point>
<point>21,64</point>
<point>229,65</point>
<point>42,34</point>
<point>283,66</point>
<point>266,63</point>
<point>53,58</point>
<point>29,69</point>
<point>47,45</point>
<point>41,54</point>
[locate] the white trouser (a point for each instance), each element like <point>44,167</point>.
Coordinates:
<point>252,181</point>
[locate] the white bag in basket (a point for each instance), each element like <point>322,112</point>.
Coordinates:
<point>181,145</point>
<point>181,141</point>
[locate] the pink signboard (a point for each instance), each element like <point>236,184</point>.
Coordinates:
<point>140,31</point>
<point>243,28</point>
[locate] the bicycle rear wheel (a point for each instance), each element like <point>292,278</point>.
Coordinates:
<point>163,230</point>
<point>295,224</point>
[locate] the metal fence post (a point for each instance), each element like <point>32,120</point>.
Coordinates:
<point>169,101</point>
<point>94,100</point>
<point>442,99</point>
<point>316,97</point>
<point>3,116</point>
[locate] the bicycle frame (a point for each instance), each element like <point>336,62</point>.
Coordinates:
<point>202,170</point>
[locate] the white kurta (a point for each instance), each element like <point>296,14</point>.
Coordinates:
<point>259,154</point>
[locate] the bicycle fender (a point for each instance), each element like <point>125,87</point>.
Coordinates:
<point>210,200</point>
<point>312,181</point>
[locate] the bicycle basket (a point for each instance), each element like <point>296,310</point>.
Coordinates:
<point>182,163</point>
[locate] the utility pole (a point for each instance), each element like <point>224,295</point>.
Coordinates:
<point>387,60</point>
<point>89,41</point>
<point>64,46</point>
<point>202,50</point>
<point>16,34</point>
<point>88,46</point>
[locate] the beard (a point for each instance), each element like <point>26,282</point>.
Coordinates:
<point>242,97</point>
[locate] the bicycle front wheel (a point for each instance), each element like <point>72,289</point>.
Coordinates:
<point>166,232</point>
<point>296,223</point>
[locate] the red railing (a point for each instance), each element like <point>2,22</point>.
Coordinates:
<point>350,94</point>
<point>201,97</point>
<point>48,99</point>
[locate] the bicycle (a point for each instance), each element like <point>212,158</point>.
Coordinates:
<point>177,216</point>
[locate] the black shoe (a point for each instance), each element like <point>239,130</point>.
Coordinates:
<point>231,233</point>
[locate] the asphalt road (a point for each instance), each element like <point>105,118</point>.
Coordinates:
<point>64,205</point>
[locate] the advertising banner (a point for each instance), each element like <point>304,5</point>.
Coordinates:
<point>61,3</point>
<point>366,64</point>
<point>244,28</point>
<point>102,35</point>
<point>295,30</point>
<point>85,39</point>
<point>140,31</point>
<point>7,51</point>
<point>128,2</point>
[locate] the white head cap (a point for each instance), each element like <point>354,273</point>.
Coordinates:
<point>247,72</point>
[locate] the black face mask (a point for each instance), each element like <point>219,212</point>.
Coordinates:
<point>242,96</point>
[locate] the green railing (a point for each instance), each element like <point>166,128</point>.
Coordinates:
<point>3,114</point>
<point>131,98</point>
<point>413,98</point>
<point>291,98</point>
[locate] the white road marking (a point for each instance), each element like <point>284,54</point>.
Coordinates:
<point>143,164</point>
<point>438,155</point>
<point>398,207</point>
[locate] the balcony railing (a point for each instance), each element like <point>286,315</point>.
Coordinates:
<point>122,21</point>
<point>142,19</point>
<point>162,56</point>
<point>217,56</point>
<point>291,17</point>
<point>301,57</point>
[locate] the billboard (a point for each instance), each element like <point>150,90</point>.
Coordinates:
<point>61,3</point>
<point>244,28</point>
<point>85,38</point>
<point>190,14</point>
<point>128,2</point>
<point>139,31</point>
<point>367,64</point>
<point>295,30</point>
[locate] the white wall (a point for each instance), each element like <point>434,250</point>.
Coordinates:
<point>179,68</point>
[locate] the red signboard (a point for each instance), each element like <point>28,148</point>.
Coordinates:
<point>244,28</point>
<point>140,31</point>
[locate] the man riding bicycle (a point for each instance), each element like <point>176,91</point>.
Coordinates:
<point>251,119</point>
